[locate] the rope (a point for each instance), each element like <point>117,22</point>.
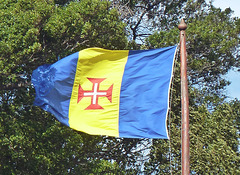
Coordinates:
<point>170,106</point>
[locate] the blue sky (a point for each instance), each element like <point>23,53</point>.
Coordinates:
<point>234,89</point>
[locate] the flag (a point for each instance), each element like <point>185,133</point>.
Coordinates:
<point>117,93</point>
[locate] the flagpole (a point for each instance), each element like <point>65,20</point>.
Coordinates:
<point>184,100</point>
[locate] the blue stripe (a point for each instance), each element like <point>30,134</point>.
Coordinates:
<point>53,85</point>
<point>144,93</point>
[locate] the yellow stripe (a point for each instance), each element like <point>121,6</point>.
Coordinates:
<point>97,63</point>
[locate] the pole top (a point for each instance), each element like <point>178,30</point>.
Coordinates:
<point>182,25</point>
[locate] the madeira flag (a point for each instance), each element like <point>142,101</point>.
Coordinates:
<point>117,93</point>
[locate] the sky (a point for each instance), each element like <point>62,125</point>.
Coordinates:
<point>233,76</point>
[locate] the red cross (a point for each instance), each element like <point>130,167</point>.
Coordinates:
<point>95,93</point>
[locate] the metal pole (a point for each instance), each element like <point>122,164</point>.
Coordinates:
<point>184,100</point>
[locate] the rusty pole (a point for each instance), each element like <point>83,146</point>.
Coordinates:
<point>184,100</point>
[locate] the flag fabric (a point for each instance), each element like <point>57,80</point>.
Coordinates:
<point>117,93</point>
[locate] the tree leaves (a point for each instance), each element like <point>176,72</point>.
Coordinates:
<point>32,34</point>
<point>40,32</point>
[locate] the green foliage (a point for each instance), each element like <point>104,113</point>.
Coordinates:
<point>84,24</point>
<point>215,150</point>
<point>163,38</point>
<point>33,33</point>
<point>213,42</point>
<point>38,32</point>
<point>214,141</point>
<point>212,46</point>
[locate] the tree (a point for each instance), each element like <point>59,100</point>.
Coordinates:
<point>212,42</point>
<point>142,17</point>
<point>34,33</point>
<point>39,32</point>
<point>213,143</point>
